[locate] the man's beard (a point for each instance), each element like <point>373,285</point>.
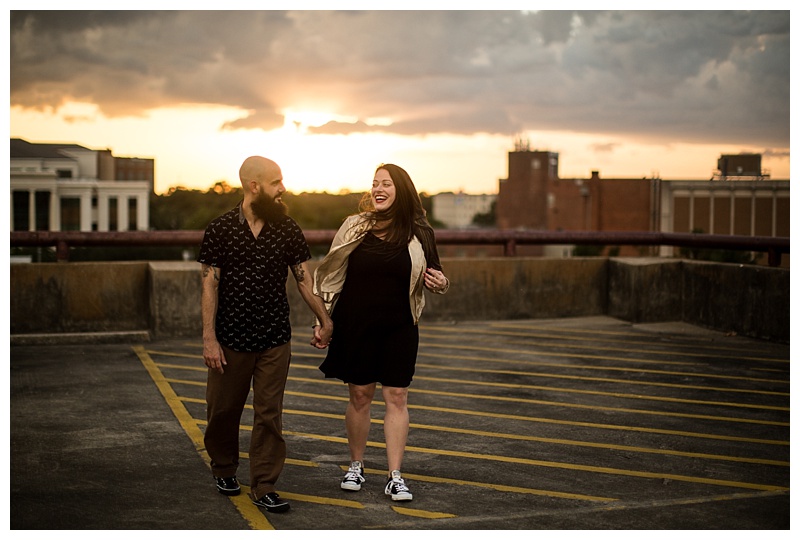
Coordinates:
<point>267,208</point>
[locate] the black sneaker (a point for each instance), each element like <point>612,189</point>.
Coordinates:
<point>272,502</point>
<point>354,477</point>
<point>228,486</point>
<point>397,489</point>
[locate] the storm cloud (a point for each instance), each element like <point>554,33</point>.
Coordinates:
<point>689,76</point>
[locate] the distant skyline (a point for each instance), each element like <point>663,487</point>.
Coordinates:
<point>331,94</point>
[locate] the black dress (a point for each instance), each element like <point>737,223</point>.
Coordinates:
<point>374,335</point>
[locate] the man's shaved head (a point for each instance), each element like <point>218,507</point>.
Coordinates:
<point>257,169</point>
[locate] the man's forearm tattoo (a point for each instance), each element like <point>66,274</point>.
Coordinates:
<point>207,269</point>
<point>299,273</point>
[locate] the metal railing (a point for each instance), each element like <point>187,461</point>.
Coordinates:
<point>510,239</point>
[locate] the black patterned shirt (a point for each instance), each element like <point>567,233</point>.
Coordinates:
<point>252,310</point>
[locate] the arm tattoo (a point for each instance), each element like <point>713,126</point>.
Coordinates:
<point>299,273</point>
<point>207,268</point>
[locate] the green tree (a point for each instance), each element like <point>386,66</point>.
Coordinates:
<point>191,209</point>
<point>719,255</point>
<point>486,219</point>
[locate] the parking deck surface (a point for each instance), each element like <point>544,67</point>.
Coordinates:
<point>589,423</point>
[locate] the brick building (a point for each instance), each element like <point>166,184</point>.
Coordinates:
<point>739,199</point>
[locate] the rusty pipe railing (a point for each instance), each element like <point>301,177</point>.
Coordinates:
<point>510,239</point>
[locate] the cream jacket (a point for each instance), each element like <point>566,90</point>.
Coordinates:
<point>330,275</point>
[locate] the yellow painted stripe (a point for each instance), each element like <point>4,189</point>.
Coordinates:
<point>636,429</point>
<point>496,487</point>
<point>252,513</point>
<point>554,389</point>
<point>568,390</point>
<point>616,381</point>
<point>328,501</point>
<point>421,513</point>
<point>569,466</point>
<point>604,368</point>
<point>567,332</point>
<point>541,402</point>
<point>619,447</point>
<point>542,463</point>
<point>572,367</point>
<point>537,354</point>
<point>595,407</point>
<point>599,393</point>
<point>546,440</point>
<point>255,519</point>
<point>737,351</point>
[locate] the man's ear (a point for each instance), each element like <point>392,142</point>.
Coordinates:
<point>253,187</point>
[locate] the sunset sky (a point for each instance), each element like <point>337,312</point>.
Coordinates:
<point>331,94</point>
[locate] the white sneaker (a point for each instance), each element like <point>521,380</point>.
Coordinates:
<point>397,489</point>
<point>354,477</point>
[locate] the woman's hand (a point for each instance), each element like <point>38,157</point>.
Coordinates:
<point>436,281</point>
<point>322,336</point>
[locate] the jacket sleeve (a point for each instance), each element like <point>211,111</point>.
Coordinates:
<point>329,275</point>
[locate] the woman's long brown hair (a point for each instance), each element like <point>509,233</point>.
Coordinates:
<point>406,218</point>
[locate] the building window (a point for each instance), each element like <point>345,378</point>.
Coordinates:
<point>21,210</point>
<point>553,166</point>
<point>132,214</point>
<point>70,214</point>
<point>112,214</point>
<point>64,173</point>
<point>42,210</point>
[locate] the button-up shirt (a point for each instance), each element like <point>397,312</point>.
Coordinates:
<point>253,309</point>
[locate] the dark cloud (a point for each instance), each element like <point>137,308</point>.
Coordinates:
<point>683,76</point>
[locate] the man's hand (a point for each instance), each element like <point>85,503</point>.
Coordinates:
<point>322,336</point>
<point>213,355</point>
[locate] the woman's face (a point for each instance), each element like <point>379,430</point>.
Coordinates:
<point>383,190</point>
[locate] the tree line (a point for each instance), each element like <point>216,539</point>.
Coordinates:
<point>192,209</point>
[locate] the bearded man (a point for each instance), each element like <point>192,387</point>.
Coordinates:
<point>245,255</point>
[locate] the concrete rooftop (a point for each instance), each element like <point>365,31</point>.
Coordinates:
<point>553,424</point>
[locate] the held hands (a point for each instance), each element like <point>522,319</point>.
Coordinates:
<point>436,281</point>
<point>322,336</point>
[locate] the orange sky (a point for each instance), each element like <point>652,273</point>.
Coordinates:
<point>189,151</point>
<point>444,94</point>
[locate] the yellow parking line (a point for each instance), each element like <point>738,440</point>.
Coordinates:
<point>548,440</point>
<point>537,419</point>
<point>620,381</point>
<point>599,393</point>
<point>594,340</point>
<point>247,509</point>
<point>421,513</point>
<point>537,364</point>
<point>558,465</point>
<point>543,402</point>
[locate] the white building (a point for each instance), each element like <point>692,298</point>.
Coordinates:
<point>66,187</point>
<point>456,210</point>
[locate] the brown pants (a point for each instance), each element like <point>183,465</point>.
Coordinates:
<point>226,395</point>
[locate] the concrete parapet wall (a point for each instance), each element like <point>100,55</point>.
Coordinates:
<point>645,290</point>
<point>520,288</point>
<point>746,299</point>
<point>174,297</point>
<point>163,298</point>
<point>78,297</point>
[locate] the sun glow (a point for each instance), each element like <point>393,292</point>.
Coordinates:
<point>302,120</point>
<point>191,149</point>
